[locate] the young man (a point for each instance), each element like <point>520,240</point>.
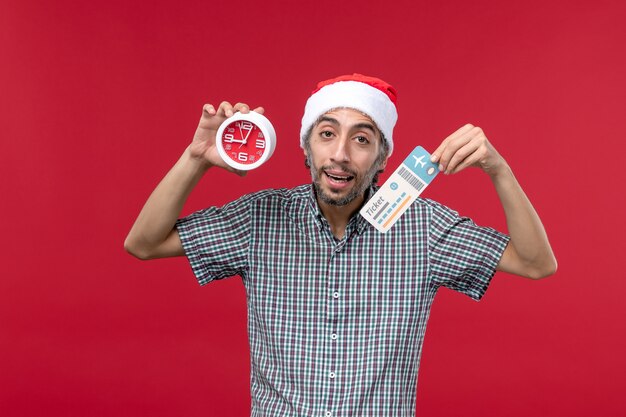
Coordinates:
<point>337,311</point>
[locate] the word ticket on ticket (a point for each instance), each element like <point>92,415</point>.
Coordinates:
<point>397,194</point>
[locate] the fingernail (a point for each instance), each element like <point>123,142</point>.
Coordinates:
<point>433,158</point>
<point>440,167</point>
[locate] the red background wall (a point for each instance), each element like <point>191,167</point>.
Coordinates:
<point>98,100</point>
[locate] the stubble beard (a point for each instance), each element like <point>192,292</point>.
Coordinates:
<point>361,184</point>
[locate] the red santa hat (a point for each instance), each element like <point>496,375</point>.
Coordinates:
<point>369,95</point>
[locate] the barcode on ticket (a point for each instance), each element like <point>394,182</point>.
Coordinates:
<point>411,179</point>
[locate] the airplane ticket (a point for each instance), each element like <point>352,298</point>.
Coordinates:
<point>395,196</point>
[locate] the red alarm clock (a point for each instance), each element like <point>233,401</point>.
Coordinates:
<point>246,141</point>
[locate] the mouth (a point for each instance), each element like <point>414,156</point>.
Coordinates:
<point>338,178</point>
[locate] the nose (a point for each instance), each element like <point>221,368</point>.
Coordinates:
<point>341,151</point>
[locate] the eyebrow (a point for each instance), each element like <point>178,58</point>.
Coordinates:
<point>362,125</point>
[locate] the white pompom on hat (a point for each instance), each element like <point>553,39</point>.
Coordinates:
<point>369,95</point>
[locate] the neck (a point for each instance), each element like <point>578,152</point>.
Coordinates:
<point>339,216</point>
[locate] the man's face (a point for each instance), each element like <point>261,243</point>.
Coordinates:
<point>345,154</point>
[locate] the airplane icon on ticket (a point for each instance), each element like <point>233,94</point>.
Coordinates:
<point>419,161</point>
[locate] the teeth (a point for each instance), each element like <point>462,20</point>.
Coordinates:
<point>336,178</point>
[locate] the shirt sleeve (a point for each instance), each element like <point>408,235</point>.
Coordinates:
<point>216,240</point>
<point>462,255</point>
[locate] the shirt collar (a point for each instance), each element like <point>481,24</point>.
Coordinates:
<point>356,222</point>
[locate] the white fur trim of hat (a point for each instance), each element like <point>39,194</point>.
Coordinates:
<point>351,92</point>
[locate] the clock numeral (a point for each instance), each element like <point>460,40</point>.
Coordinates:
<point>242,156</point>
<point>228,138</point>
<point>230,129</point>
<point>260,143</point>
<point>246,125</point>
<point>260,135</point>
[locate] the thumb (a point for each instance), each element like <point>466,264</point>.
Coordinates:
<point>240,172</point>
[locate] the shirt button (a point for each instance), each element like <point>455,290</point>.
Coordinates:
<point>331,375</point>
<point>333,336</point>
<point>336,294</point>
<point>328,414</point>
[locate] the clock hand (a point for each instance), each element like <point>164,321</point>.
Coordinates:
<point>241,142</point>
<point>245,140</point>
<point>240,132</point>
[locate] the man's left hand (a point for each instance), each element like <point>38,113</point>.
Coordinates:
<point>468,147</point>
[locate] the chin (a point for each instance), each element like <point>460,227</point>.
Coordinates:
<point>336,198</point>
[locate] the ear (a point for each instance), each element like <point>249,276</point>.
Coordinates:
<point>384,163</point>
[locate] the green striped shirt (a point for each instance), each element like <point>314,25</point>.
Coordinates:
<point>336,326</point>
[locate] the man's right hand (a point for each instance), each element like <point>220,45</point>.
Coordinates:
<point>203,146</point>
<point>154,234</point>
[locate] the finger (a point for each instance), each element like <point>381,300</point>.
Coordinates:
<point>455,143</point>
<point>452,148</point>
<point>459,132</point>
<point>463,157</point>
<point>208,109</point>
<point>241,107</point>
<point>259,110</point>
<point>225,109</point>
<point>474,133</point>
<point>472,160</point>
<point>437,153</point>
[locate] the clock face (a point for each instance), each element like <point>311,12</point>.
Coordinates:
<point>243,142</point>
<point>246,141</point>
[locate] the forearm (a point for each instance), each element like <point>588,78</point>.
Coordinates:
<point>156,221</point>
<point>529,253</point>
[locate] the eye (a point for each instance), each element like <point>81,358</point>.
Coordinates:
<point>326,134</point>
<point>362,140</point>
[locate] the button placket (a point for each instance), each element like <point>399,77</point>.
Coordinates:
<point>333,317</point>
